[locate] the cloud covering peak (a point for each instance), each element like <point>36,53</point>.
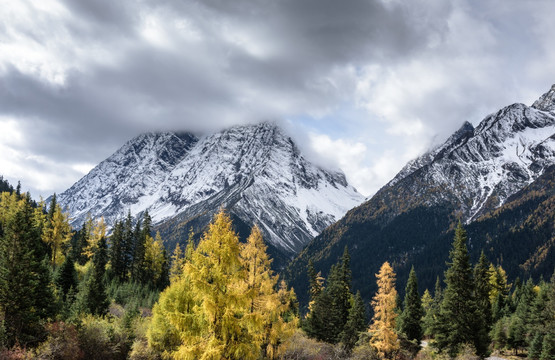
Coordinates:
<point>78,78</point>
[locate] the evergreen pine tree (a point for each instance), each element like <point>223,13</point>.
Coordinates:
<point>339,293</point>
<point>96,298</point>
<point>458,316</point>
<point>548,346</point>
<point>164,278</point>
<point>483,289</point>
<point>25,281</point>
<point>411,323</point>
<point>314,321</point>
<point>128,246</point>
<point>329,310</point>
<point>433,318</point>
<point>117,252</point>
<point>356,323</point>
<point>427,320</point>
<point>535,348</point>
<point>382,330</point>
<point>499,335</point>
<point>66,278</point>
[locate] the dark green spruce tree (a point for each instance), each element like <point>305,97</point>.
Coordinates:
<point>459,315</point>
<point>330,309</point>
<point>411,317</point>
<point>356,323</point>
<point>128,245</point>
<point>137,268</point>
<point>96,298</point>
<point>482,291</point>
<point>548,346</point>
<point>431,318</point>
<point>66,278</point>
<point>117,253</point>
<point>26,289</point>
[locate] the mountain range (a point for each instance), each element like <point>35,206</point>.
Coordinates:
<point>256,172</point>
<point>495,178</point>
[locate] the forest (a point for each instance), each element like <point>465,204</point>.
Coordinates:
<point>87,294</point>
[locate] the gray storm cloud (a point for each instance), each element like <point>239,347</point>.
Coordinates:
<point>81,77</point>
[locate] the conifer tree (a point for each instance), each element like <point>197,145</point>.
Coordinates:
<point>432,318</point>
<point>499,336</point>
<point>57,232</point>
<point>383,335</point>
<point>25,284</point>
<point>329,307</point>
<point>128,246</point>
<point>224,304</point>
<point>498,283</point>
<point>177,263</point>
<point>66,278</point>
<point>264,308</point>
<point>427,320</point>
<point>95,231</point>
<point>117,252</point>
<point>164,278</point>
<point>316,283</point>
<point>154,260</point>
<point>356,323</point>
<point>458,316</point>
<point>548,346</point>
<point>411,318</point>
<point>96,298</point>
<point>535,349</point>
<point>483,290</point>
<point>314,322</point>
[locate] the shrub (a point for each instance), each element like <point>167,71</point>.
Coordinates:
<point>62,343</point>
<point>104,338</point>
<point>301,347</point>
<point>15,353</point>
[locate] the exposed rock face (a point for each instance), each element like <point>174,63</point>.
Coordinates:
<point>256,172</point>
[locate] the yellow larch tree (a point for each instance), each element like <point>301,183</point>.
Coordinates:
<point>224,304</point>
<point>96,231</point>
<point>267,308</point>
<point>383,335</point>
<point>57,233</point>
<point>154,257</point>
<point>177,263</point>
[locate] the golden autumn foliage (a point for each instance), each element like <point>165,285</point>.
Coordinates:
<point>97,231</point>
<point>224,304</point>
<point>384,338</point>
<point>57,233</point>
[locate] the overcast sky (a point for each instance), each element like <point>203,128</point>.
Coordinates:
<point>364,85</point>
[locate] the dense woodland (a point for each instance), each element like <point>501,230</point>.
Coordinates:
<point>67,294</point>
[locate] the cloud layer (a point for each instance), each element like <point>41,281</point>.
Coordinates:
<point>369,83</point>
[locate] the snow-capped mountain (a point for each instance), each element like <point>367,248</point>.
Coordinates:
<point>478,169</point>
<point>497,178</point>
<point>256,172</point>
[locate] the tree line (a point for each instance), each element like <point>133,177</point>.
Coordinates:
<point>476,308</point>
<point>82,294</point>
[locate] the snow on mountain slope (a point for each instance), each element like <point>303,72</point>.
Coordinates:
<point>480,168</point>
<point>255,171</point>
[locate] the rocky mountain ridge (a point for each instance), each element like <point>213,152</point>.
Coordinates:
<point>256,172</point>
<point>475,173</point>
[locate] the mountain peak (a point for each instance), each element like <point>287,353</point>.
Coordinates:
<point>546,102</point>
<point>255,171</point>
